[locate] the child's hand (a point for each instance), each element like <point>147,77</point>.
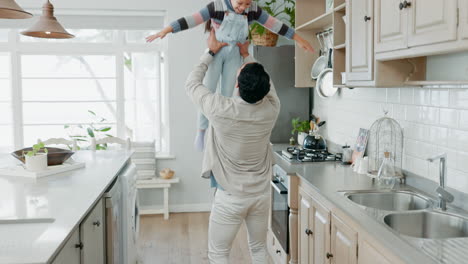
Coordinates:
<point>304,44</point>
<point>161,34</point>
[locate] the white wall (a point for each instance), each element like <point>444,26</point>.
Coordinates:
<point>434,119</point>
<point>184,50</point>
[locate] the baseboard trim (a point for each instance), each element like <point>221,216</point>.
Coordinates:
<point>190,208</point>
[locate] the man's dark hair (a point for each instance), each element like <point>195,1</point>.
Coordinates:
<point>254,83</point>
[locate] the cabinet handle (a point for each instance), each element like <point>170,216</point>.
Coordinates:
<point>367,18</point>
<point>308,232</point>
<point>329,255</point>
<point>405,4</point>
<point>80,245</point>
<point>278,251</point>
<point>97,223</point>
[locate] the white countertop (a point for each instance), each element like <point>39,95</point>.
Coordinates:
<point>66,197</point>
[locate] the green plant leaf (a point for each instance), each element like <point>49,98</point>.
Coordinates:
<point>90,132</point>
<point>91,112</point>
<point>66,126</point>
<point>105,129</point>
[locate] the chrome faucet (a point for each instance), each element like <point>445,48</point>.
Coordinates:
<point>444,195</point>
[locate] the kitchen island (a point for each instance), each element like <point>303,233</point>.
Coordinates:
<point>64,200</point>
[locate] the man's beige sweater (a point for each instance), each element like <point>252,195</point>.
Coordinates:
<point>237,149</point>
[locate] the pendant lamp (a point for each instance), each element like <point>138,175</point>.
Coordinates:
<point>47,26</point>
<point>11,10</point>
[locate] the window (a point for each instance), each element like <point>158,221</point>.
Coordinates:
<point>108,79</point>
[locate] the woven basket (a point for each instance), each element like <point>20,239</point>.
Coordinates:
<point>268,39</point>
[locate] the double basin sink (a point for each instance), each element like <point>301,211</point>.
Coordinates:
<point>412,214</point>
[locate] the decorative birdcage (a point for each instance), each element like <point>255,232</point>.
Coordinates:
<point>385,139</point>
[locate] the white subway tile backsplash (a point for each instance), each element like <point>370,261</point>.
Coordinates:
<point>449,117</point>
<point>432,119</point>
<point>459,98</point>
<point>458,139</point>
<point>422,96</point>
<point>413,113</point>
<point>393,95</point>
<point>440,97</point>
<point>429,115</point>
<point>406,95</point>
<point>462,161</point>
<point>457,180</point>
<point>463,123</point>
<point>438,136</point>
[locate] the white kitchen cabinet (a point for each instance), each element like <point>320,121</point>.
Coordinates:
<point>431,21</point>
<point>391,25</point>
<point>370,255</point>
<point>92,236</point>
<point>314,231</point>
<point>463,19</point>
<point>327,236</point>
<point>321,231</point>
<point>360,28</point>
<point>344,242</point>
<point>275,250</point>
<point>70,253</point>
<point>305,229</point>
<point>87,243</point>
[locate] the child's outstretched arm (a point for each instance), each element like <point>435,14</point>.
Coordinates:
<point>280,28</point>
<point>187,22</point>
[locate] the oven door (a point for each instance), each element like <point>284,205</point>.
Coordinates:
<point>280,213</point>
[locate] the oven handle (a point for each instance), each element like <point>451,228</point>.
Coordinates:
<point>279,187</point>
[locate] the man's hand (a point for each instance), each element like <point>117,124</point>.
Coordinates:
<point>213,44</point>
<point>244,49</point>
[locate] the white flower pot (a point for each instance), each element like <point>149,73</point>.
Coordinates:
<point>37,162</point>
<point>300,138</point>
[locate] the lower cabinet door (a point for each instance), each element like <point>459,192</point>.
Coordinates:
<point>70,253</point>
<point>343,242</point>
<point>369,255</point>
<point>92,236</point>
<point>322,252</point>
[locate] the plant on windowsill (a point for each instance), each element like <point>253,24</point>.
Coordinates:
<point>301,127</point>
<point>85,133</point>
<point>36,158</point>
<point>285,11</point>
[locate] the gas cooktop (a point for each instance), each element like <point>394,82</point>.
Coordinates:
<point>299,155</point>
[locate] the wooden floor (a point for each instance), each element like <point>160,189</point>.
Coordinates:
<point>183,239</point>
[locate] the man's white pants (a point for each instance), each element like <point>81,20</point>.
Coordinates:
<point>227,215</point>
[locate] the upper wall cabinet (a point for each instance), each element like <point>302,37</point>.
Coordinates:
<point>416,28</point>
<point>463,19</point>
<point>359,61</point>
<point>431,21</point>
<point>390,25</point>
<point>403,24</point>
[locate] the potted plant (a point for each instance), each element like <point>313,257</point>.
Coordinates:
<point>36,159</point>
<point>97,128</point>
<point>284,10</point>
<point>301,127</point>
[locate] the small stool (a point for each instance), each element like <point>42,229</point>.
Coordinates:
<point>156,183</point>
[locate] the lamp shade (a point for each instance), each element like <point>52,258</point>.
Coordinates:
<point>47,26</point>
<point>11,10</point>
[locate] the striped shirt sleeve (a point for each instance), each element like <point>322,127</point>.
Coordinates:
<point>194,20</point>
<point>273,23</point>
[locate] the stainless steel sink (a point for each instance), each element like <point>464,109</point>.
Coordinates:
<point>390,200</point>
<point>433,225</point>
